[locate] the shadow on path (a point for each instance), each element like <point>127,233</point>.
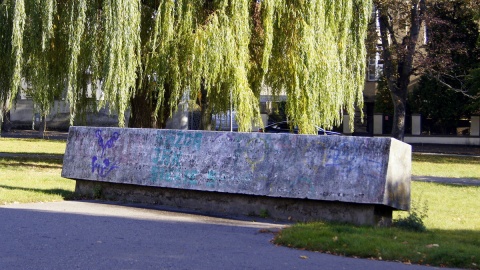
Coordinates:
<point>77,235</point>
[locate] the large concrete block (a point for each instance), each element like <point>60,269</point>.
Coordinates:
<point>360,170</point>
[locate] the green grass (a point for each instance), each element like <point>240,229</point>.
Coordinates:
<point>446,166</point>
<point>24,180</point>
<point>33,179</point>
<point>450,207</point>
<point>450,248</point>
<point>34,146</point>
<point>452,238</point>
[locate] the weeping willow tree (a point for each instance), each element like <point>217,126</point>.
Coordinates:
<point>148,54</point>
<point>318,58</point>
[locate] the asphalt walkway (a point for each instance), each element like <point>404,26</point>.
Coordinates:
<point>92,235</point>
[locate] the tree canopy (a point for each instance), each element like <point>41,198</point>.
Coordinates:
<point>449,55</point>
<point>148,54</point>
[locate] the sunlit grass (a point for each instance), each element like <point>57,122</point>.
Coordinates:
<point>446,166</point>
<point>451,248</point>
<point>450,207</point>
<point>37,146</point>
<point>32,180</point>
<point>452,238</point>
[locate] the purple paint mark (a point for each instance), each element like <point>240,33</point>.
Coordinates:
<point>102,165</point>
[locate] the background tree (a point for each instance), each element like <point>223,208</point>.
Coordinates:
<point>452,50</point>
<point>445,92</point>
<point>441,108</point>
<point>404,55</point>
<point>400,23</point>
<point>148,54</point>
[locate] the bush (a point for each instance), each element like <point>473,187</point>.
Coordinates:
<point>414,220</point>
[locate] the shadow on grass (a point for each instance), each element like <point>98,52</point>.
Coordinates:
<point>38,161</point>
<point>66,194</point>
<point>31,155</point>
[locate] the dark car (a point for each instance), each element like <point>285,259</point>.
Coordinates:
<point>284,127</point>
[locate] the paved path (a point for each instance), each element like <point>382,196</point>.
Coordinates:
<point>446,180</point>
<point>91,235</point>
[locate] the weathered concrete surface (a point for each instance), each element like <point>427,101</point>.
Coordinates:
<point>227,204</point>
<point>329,168</point>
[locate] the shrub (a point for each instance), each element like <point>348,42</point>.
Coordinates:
<point>414,220</point>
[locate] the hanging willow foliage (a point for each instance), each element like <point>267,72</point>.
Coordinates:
<point>76,30</point>
<point>122,52</point>
<point>18,27</point>
<point>6,57</point>
<point>311,51</point>
<point>170,46</point>
<point>317,59</point>
<point>222,61</point>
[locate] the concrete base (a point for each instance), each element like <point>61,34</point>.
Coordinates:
<point>216,203</point>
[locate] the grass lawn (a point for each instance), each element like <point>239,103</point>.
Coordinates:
<point>446,166</point>
<point>34,146</point>
<point>452,220</point>
<point>24,180</point>
<point>33,179</point>
<point>452,238</point>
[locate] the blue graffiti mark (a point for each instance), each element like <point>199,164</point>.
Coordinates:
<point>229,137</point>
<point>164,174</point>
<point>175,178</point>
<point>211,177</point>
<point>102,165</point>
<point>168,156</point>
<point>109,143</point>
<point>190,177</point>
<point>102,168</point>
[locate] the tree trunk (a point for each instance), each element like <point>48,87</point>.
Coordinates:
<point>399,105</point>
<point>398,58</point>
<point>205,111</point>
<point>142,111</point>
<point>42,128</point>
<point>6,125</point>
<point>1,121</point>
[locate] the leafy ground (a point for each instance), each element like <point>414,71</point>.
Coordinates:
<point>436,247</point>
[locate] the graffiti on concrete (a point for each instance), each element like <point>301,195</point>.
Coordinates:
<point>101,164</point>
<point>279,165</point>
<point>169,150</point>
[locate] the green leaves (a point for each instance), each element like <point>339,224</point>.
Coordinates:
<point>318,59</point>
<point>19,17</point>
<point>121,52</point>
<point>312,51</point>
